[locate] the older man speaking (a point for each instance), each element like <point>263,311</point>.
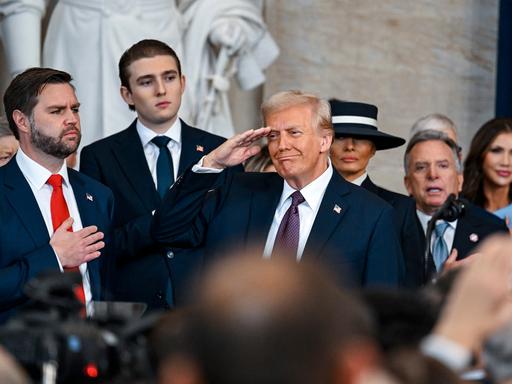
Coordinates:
<point>433,172</point>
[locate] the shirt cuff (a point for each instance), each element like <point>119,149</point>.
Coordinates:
<point>448,352</point>
<point>198,168</point>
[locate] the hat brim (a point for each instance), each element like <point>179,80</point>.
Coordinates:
<point>380,139</point>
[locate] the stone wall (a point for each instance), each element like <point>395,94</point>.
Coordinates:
<point>410,58</point>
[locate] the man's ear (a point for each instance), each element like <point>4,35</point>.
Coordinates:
<point>126,95</point>
<point>183,83</point>
<point>325,144</point>
<point>21,120</point>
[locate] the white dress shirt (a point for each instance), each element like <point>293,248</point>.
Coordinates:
<point>449,234</point>
<point>151,151</point>
<point>360,179</point>
<point>37,176</point>
<point>313,194</point>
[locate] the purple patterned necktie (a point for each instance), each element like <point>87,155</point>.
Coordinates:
<point>287,238</point>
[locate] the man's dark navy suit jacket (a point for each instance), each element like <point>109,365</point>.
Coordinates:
<point>25,251</point>
<point>353,233</point>
<point>143,269</point>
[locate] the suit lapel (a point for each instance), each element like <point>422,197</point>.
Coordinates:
<point>418,229</point>
<point>369,185</point>
<point>463,233</point>
<point>192,147</point>
<point>22,199</point>
<point>86,203</point>
<point>420,245</point>
<point>262,209</point>
<point>130,155</point>
<point>334,205</point>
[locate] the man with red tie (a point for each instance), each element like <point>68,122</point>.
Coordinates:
<point>51,217</point>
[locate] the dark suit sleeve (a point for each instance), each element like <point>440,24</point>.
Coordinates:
<point>131,238</point>
<point>182,219</point>
<point>89,165</point>
<point>384,265</point>
<point>13,277</point>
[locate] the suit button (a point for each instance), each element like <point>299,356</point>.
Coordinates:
<point>170,254</point>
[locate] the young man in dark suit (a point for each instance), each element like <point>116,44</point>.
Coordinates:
<point>305,209</point>
<point>51,217</point>
<point>139,164</point>
<point>433,171</point>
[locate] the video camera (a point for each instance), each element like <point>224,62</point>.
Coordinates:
<point>53,341</point>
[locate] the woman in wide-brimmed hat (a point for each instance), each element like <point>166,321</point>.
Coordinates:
<point>356,140</point>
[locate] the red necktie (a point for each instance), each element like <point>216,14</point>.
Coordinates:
<point>59,211</point>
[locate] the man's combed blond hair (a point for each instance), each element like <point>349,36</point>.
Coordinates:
<point>321,110</point>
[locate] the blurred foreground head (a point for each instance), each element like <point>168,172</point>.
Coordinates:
<point>277,321</point>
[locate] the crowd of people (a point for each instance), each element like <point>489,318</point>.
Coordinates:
<point>413,289</point>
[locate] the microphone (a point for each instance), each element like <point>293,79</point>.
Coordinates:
<point>451,210</point>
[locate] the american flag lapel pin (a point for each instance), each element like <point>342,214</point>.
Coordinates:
<point>89,197</point>
<point>199,148</point>
<point>337,209</point>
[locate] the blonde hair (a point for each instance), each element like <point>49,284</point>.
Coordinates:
<point>321,110</point>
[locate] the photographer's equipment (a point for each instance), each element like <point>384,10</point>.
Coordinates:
<point>51,340</point>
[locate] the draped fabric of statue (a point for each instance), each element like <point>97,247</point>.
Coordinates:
<point>216,40</point>
<point>21,33</point>
<point>87,38</point>
<point>224,38</point>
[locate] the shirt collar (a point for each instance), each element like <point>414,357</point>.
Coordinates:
<point>35,173</point>
<point>313,192</point>
<point>360,179</point>
<point>146,134</point>
<point>424,219</point>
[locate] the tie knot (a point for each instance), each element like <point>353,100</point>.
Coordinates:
<point>55,181</point>
<point>441,227</point>
<point>161,141</point>
<point>297,198</point>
